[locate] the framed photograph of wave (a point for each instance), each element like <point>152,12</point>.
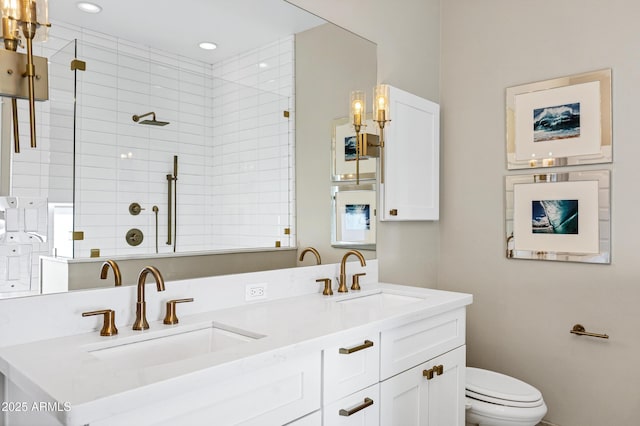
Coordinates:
<point>560,122</point>
<point>354,216</point>
<point>343,162</point>
<point>559,216</point>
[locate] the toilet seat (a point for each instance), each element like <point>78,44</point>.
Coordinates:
<point>500,389</point>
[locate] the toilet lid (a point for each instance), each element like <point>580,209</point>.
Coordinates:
<point>498,388</point>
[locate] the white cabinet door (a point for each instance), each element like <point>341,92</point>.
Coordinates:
<point>411,159</point>
<point>413,399</point>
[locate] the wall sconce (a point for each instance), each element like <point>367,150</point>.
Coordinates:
<point>21,16</point>
<point>358,114</point>
<point>381,115</point>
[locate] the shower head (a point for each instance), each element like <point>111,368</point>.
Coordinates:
<point>152,122</point>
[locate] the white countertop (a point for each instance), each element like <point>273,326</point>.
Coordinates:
<point>64,370</point>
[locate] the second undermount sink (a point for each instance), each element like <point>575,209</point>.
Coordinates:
<point>176,345</point>
<point>380,300</point>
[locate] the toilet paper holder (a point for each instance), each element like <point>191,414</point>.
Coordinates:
<point>580,331</point>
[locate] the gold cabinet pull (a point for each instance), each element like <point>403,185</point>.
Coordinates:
<point>365,345</point>
<point>393,212</point>
<point>109,321</point>
<point>368,402</point>
<point>580,331</point>
<point>436,370</point>
<point>428,373</point>
<point>171,317</point>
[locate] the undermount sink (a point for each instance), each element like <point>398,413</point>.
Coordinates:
<point>162,348</point>
<point>380,300</point>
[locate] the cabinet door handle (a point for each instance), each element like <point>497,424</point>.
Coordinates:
<point>428,373</point>
<point>367,403</point>
<point>438,369</point>
<point>393,212</point>
<point>365,345</point>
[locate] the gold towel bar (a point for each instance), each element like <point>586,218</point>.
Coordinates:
<point>580,331</point>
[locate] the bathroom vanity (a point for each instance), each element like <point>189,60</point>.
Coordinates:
<point>379,356</point>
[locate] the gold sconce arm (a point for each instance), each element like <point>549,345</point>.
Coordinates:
<point>23,15</point>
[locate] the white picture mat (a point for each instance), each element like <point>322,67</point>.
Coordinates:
<point>343,167</point>
<point>587,94</point>
<point>586,241</point>
<point>344,233</point>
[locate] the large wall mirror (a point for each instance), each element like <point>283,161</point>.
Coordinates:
<point>212,169</point>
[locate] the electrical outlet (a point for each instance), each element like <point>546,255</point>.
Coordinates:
<point>255,291</point>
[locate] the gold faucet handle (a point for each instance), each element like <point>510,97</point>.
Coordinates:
<point>171,317</point>
<point>355,285</point>
<point>327,286</point>
<point>109,322</point>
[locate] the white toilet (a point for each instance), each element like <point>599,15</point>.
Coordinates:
<point>494,399</point>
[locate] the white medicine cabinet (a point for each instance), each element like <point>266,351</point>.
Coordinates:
<point>409,190</point>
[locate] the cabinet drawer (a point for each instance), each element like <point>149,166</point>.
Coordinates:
<point>351,366</point>
<point>409,345</point>
<point>272,395</point>
<point>361,408</point>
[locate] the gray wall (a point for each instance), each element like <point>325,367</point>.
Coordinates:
<point>330,62</point>
<point>523,310</point>
<point>407,34</point>
<point>85,273</point>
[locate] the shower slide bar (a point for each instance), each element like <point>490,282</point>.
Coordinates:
<point>172,204</point>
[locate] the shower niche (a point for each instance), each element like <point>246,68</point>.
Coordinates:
<point>228,129</point>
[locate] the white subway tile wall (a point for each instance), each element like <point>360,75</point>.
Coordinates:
<point>235,148</point>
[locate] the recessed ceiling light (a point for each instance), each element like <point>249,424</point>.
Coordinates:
<point>207,45</point>
<point>263,65</point>
<point>89,7</point>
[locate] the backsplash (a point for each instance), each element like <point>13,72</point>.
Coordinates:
<point>27,319</point>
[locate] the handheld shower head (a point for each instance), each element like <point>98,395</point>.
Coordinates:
<point>152,122</point>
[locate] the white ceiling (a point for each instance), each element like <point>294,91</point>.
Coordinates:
<point>179,26</point>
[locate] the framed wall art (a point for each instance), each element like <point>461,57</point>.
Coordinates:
<point>343,148</point>
<point>559,216</point>
<point>560,122</point>
<point>354,216</point>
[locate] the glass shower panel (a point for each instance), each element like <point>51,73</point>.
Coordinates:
<point>232,144</point>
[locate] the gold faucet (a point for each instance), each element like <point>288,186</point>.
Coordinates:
<point>141,306</point>
<point>116,271</point>
<point>342,288</point>
<point>312,250</point>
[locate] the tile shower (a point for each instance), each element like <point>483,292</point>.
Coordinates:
<point>235,147</point>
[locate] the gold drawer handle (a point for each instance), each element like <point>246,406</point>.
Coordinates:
<point>368,402</point>
<point>365,345</point>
